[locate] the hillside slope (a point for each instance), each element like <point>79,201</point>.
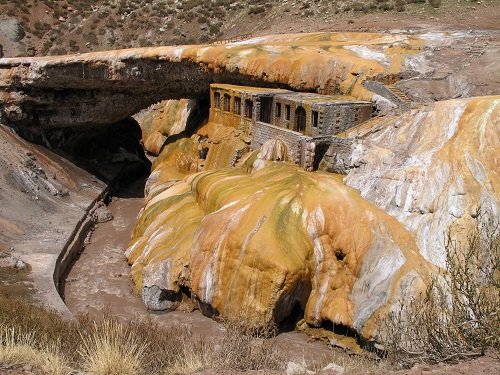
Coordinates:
<point>32,27</point>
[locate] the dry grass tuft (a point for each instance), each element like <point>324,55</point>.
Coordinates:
<point>245,347</point>
<point>241,348</point>
<point>110,348</point>
<point>191,360</point>
<point>33,335</point>
<point>21,348</point>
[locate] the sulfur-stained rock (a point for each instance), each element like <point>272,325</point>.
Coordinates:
<point>271,150</point>
<point>433,168</point>
<point>261,245</point>
<point>267,239</point>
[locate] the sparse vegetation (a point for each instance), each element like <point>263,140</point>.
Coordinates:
<point>457,316</point>
<point>111,348</point>
<point>19,348</point>
<point>198,20</point>
<point>32,335</point>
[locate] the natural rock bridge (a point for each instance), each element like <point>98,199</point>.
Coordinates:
<point>105,87</point>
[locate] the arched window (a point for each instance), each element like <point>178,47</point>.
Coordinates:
<point>248,108</point>
<point>216,99</point>
<point>300,119</point>
<point>227,103</point>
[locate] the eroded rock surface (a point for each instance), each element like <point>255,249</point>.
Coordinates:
<point>261,245</point>
<point>168,119</point>
<point>433,169</point>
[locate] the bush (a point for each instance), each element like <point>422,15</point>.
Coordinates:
<point>457,316</point>
<point>215,28</point>
<point>435,3</point>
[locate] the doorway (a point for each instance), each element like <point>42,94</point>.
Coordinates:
<point>300,120</point>
<point>266,106</point>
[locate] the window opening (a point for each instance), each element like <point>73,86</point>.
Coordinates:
<point>315,118</point>
<point>300,119</point>
<point>248,108</point>
<point>216,100</point>
<point>237,105</point>
<point>227,103</point>
<point>266,106</point>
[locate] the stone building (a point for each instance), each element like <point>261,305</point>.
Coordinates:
<point>305,122</point>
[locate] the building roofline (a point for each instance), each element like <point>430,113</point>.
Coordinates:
<point>301,97</point>
<point>249,89</point>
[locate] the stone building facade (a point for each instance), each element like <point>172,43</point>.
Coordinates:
<point>305,122</point>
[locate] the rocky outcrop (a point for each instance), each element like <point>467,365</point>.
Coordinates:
<point>168,119</point>
<point>265,244</point>
<point>433,169</point>
<point>267,240</point>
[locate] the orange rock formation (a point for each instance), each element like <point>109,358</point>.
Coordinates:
<point>268,238</point>
<point>262,244</point>
<point>111,85</point>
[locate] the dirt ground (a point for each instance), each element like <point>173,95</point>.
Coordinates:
<point>488,364</point>
<point>472,17</point>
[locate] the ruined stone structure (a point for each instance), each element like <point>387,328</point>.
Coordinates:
<point>305,122</point>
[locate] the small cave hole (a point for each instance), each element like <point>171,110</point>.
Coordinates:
<point>341,329</point>
<point>339,254</point>
<point>288,324</point>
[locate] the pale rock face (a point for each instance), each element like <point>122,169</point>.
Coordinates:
<point>433,168</point>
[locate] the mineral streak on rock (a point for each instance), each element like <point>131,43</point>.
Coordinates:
<point>258,245</point>
<point>105,87</point>
<point>433,168</point>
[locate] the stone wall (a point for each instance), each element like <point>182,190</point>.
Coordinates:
<point>337,118</point>
<point>390,93</point>
<point>295,142</point>
<point>333,118</point>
